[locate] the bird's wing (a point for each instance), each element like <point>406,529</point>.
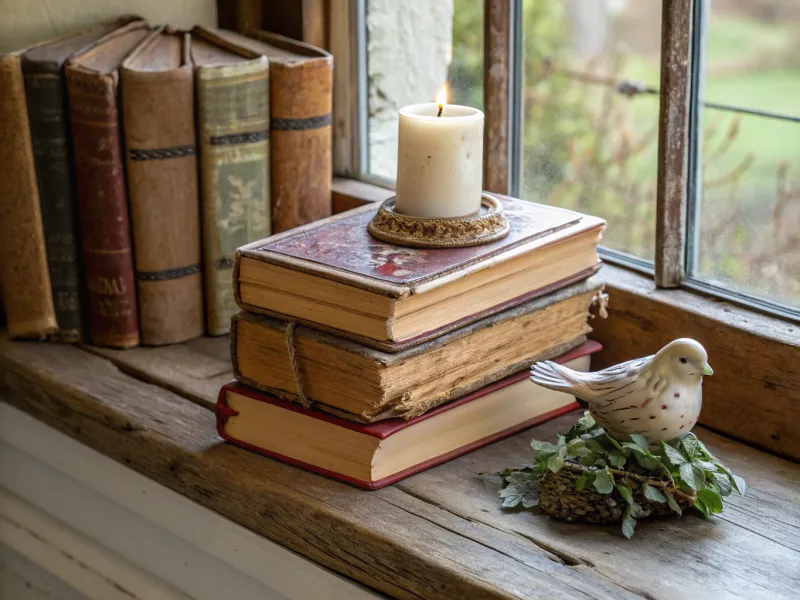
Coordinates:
<point>605,385</point>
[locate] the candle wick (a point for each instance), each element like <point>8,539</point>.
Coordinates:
<point>441,108</point>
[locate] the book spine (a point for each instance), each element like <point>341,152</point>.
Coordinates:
<point>233,118</point>
<point>103,209</point>
<point>47,113</point>
<point>300,137</point>
<point>158,119</point>
<point>26,293</point>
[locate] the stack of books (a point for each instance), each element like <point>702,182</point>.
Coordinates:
<point>136,160</point>
<point>368,362</point>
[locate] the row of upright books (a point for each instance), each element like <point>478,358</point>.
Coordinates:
<point>134,160</point>
<point>368,362</point>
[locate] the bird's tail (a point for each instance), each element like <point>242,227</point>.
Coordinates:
<point>555,377</point>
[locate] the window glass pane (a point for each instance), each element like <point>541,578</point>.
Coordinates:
<point>747,232</point>
<point>413,47</point>
<point>587,144</point>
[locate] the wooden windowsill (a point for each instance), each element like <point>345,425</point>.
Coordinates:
<point>754,394</point>
<point>439,534</point>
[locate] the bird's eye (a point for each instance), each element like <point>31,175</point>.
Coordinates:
<point>683,360</point>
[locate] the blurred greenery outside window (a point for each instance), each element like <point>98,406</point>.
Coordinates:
<point>590,114</point>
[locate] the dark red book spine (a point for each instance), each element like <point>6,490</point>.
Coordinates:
<point>103,209</point>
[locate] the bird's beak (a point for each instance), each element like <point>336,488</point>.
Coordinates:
<point>707,370</point>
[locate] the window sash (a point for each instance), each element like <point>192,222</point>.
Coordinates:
<point>683,23</point>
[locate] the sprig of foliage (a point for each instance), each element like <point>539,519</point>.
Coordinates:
<point>684,464</point>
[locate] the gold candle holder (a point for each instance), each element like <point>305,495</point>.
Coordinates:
<point>488,225</point>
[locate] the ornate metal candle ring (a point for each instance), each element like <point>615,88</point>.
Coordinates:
<point>488,225</point>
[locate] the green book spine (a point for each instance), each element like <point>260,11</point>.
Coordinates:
<point>233,117</point>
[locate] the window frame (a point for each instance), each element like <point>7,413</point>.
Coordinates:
<point>676,205</point>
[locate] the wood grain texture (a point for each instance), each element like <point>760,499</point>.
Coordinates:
<point>673,141</point>
<point>754,394</point>
<point>496,89</point>
<point>439,534</point>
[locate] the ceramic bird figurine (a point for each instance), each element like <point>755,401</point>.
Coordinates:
<point>658,396</point>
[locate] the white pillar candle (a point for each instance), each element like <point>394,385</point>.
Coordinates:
<point>439,161</point>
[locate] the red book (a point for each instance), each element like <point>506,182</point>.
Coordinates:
<point>92,79</point>
<point>371,456</point>
<point>334,276</point>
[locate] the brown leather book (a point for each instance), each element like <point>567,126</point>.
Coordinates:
<point>301,100</point>
<point>158,115</point>
<point>360,383</point>
<point>233,139</point>
<point>46,99</point>
<point>335,276</point>
<point>92,86</point>
<point>26,294</point>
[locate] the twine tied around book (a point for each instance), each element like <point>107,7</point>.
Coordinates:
<point>292,349</point>
<point>601,300</point>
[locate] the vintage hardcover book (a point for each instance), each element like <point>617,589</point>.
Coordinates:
<point>233,139</point>
<point>364,384</point>
<point>301,101</point>
<point>158,116</point>
<point>379,454</point>
<point>336,276</point>
<point>27,298</point>
<point>45,92</point>
<point>92,86</point>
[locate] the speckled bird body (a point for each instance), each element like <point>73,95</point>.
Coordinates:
<point>658,396</point>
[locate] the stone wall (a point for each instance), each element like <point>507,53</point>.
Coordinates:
<point>409,48</point>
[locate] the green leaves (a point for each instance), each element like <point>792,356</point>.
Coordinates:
<point>555,463</point>
<point>673,456</point>
<point>672,503</point>
<point>520,488</point>
<point>710,499</point>
<point>628,522</point>
<point>683,463</point>
<point>603,481</point>
<point>584,480</point>
<point>625,492</point>
<point>654,494</point>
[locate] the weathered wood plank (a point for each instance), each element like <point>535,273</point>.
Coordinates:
<point>395,544</point>
<point>497,36</point>
<point>195,369</point>
<point>732,556</point>
<point>754,394</point>
<point>673,141</point>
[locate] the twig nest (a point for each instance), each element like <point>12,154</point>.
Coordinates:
<point>559,498</point>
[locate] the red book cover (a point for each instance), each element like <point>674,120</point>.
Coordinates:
<point>388,427</point>
<point>92,85</point>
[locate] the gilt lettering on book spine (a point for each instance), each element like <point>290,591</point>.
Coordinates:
<point>233,105</point>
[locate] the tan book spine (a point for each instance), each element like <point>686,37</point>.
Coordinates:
<point>233,131</point>
<point>23,261</point>
<point>301,101</point>
<point>158,115</point>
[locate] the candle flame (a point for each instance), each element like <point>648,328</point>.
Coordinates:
<point>441,97</point>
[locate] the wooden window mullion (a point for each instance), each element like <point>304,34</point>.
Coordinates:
<point>673,142</point>
<point>497,86</point>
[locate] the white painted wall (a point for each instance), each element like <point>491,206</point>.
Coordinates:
<point>24,22</point>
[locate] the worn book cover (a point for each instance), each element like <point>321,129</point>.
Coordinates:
<point>301,101</point>
<point>102,198</point>
<point>159,124</point>
<point>27,298</point>
<point>45,91</point>
<point>233,138</point>
<point>361,383</point>
<point>334,275</point>
<point>371,456</point>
